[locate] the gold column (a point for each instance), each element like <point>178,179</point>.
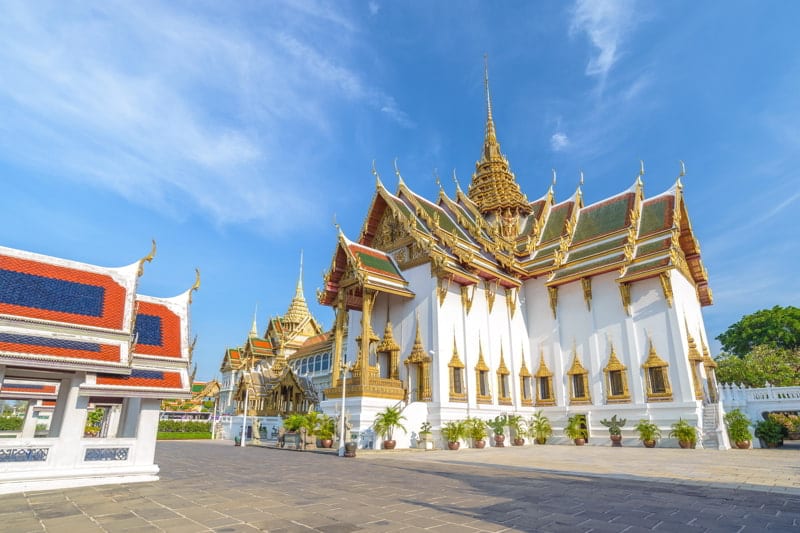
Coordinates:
<point>338,337</point>
<point>366,334</point>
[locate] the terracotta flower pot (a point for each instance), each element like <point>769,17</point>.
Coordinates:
<point>480,443</point>
<point>580,442</point>
<point>326,443</point>
<point>685,444</point>
<point>649,443</point>
<point>541,440</point>
<point>616,441</point>
<point>519,441</point>
<point>453,445</point>
<point>499,441</point>
<point>389,444</point>
<point>743,444</point>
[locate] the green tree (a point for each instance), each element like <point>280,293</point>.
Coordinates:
<point>778,327</point>
<point>778,366</point>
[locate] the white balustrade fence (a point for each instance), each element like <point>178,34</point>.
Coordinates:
<point>755,401</point>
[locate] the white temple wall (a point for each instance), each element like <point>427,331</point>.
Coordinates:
<point>575,334</point>
<point>688,312</point>
<point>610,321</point>
<point>519,351</point>
<point>450,326</point>
<point>543,332</point>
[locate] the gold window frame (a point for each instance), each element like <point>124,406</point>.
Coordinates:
<point>655,362</point>
<point>544,373</point>
<point>615,365</point>
<point>577,369</point>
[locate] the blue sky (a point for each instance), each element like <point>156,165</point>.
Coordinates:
<point>232,132</point>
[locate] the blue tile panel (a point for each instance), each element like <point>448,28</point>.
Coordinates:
<point>32,340</point>
<point>146,374</point>
<point>30,290</point>
<point>148,329</point>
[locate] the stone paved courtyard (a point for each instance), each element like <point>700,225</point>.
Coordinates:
<point>214,486</point>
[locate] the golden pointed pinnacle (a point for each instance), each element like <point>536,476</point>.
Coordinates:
<point>455,179</point>
<point>682,173</point>
<point>148,258</point>
<point>254,327</point>
<point>436,178</point>
<point>641,173</point>
<point>489,119</point>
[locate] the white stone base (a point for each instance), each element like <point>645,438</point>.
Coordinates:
<point>15,482</point>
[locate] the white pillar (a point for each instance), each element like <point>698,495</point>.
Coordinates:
<point>29,424</point>
<point>129,418</point>
<point>146,431</point>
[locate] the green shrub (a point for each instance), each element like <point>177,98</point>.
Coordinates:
<point>11,423</point>
<point>179,426</point>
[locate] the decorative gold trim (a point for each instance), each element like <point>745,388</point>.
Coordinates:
<point>526,398</point>
<point>577,369</point>
<point>423,361</point>
<point>147,259</point>
<point>544,373</point>
<point>456,366</point>
<point>666,286</point>
<point>615,365</point>
<point>695,360</point>
<point>625,294</point>
<point>586,283</point>
<point>482,377</point>
<point>511,300</point>
<point>503,384</point>
<point>443,288</point>
<point>655,363</point>
<point>466,297</point>
<point>552,292</point>
<point>390,346</point>
<point>490,294</point>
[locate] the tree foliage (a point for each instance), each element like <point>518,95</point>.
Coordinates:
<point>778,366</point>
<point>778,327</point>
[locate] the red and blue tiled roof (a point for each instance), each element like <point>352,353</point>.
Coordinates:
<point>38,345</point>
<point>157,330</point>
<point>39,288</point>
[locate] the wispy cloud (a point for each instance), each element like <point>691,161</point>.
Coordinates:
<point>606,24</point>
<point>177,110</point>
<point>559,141</point>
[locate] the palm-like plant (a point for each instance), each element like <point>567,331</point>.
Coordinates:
<point>387,421</point>
<point>454,431</point>
<point>540,428</point>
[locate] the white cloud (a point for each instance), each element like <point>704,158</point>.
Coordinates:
<point>180,110</point>
<point>606,24</point>
<point>559,141</point>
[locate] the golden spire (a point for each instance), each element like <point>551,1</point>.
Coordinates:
<point>298,309</point>
<point>254,327</point>
<point>494,187</point>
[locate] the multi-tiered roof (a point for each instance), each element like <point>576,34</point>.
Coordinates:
<point>494,235</point>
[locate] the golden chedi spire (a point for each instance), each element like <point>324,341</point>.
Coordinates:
<point>298,309</point>
<point>494,188</point>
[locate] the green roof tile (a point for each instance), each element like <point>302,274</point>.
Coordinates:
<point>651,247</point>
<point>597,249</point>
<point>555,221</point>
<point>603,218</point>
<point>588,267</point>
<point>377,263</point>
<point>656,215</point>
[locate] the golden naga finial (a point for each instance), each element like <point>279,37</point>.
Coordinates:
<point>397,170</point>
<point>148,258</point>
<point>641,168</point>
<point>196,285</point>
<point>436,177</point>
<point>683,169</point>
<point>377,176</point>
<point>580,184</point>
<point>336,224</point>
<point>554,177</point>
<point>455,179</point>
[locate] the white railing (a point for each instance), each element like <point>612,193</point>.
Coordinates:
<point>738,395</point>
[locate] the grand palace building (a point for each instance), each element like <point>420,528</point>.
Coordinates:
<point>486,302</point>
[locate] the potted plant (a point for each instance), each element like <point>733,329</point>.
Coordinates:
<point>685,433</point>
<point>498,425</point>
<point>539,428</point>
<point>575,430</point>
<point>325,430</point>
<point>477,430</point>
<point>453,432</point>
<point>615,430</point>
<point>385,423</point>
<point>770,432</point>
<point>425,439</point>
<point>738,429</point>
<point>648,433</point>
<point>517,424</point>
